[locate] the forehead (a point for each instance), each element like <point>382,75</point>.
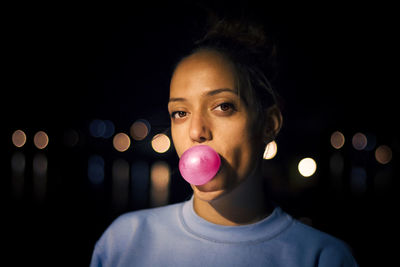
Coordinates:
<point>203,70</point>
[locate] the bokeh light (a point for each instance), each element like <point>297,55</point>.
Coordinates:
<point>160,179</point>
<point>383,154</point>
<point>41,140</point>
<point>337,140</point>
<point>100,128</point>
<point>160,175</point>
<point>109,129</point>
<point>96,169</point>
<point>358,180</point>
<point>140,129</point>
<point>18,163</point>
<point>121,142</point>
<point>383,180</point>
<point>71,138</point>
<point>270,150</point>
<point>120,183</point>
<point>97,128</point>
<point>336,164</point>
<point>40,165</point>
<point>371,142</point>
<point>359,141</point>
<point>18,138</point>
<point>161,143</point>
<point>140,183</point>
<point>307,167</point>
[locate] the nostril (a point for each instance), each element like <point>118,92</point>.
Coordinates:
<point>199,131</point>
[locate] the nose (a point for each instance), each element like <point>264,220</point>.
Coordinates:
<point>199,129</point>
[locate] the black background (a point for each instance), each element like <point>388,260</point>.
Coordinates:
<point>65,65</point>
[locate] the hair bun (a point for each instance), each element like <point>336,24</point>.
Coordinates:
<point>243,32</point>
<point>245,39</point>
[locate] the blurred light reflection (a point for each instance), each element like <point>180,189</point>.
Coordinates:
<point>120,184</point>
<point>358,180</point>
<point>383,180</point>
<point>96,169</point>
<point>336,164</point>
<point>18,164</point>
<point>140,183</point>
<point>40,176</point>
<point>160,179</point>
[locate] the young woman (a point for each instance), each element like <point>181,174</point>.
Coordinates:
<point>220,97</point>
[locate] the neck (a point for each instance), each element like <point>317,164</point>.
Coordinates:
<point>245,204</point>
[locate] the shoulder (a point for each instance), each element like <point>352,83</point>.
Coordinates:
<point>135,227</point>
<point>330,251</point>
<point>313,235</point>
<point>131,221</point>
<point>143,215</point>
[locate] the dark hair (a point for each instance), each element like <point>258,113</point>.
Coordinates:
<point>252,55</point>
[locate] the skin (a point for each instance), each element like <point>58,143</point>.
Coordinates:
<point>205,108</point>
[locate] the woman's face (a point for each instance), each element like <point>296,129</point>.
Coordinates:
<point>206,109</point>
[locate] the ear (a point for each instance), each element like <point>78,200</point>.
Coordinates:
<point>273,123</point>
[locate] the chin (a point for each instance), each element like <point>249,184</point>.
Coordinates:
<point>207,196</point>
<point>211,190</point>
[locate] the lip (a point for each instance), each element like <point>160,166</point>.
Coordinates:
<point>199,164</point>
<point>213,184</point>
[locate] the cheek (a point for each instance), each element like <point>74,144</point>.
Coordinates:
<point>238,149</point>
<point>241,157</point>
<point>178,140</point>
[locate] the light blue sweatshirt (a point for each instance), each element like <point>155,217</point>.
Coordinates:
<point>175,235</point>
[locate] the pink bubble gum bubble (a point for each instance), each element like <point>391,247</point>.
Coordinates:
<point>199,164</point>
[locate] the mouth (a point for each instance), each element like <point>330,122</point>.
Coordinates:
<point>199,164</point>
<point>215,184</point>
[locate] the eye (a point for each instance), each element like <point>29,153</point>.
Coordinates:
<point>178,114</point>
<point>225,107</point>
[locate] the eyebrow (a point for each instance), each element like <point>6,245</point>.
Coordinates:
<point>208,93</point>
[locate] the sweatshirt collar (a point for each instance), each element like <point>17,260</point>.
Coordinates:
<point>261,231</point>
